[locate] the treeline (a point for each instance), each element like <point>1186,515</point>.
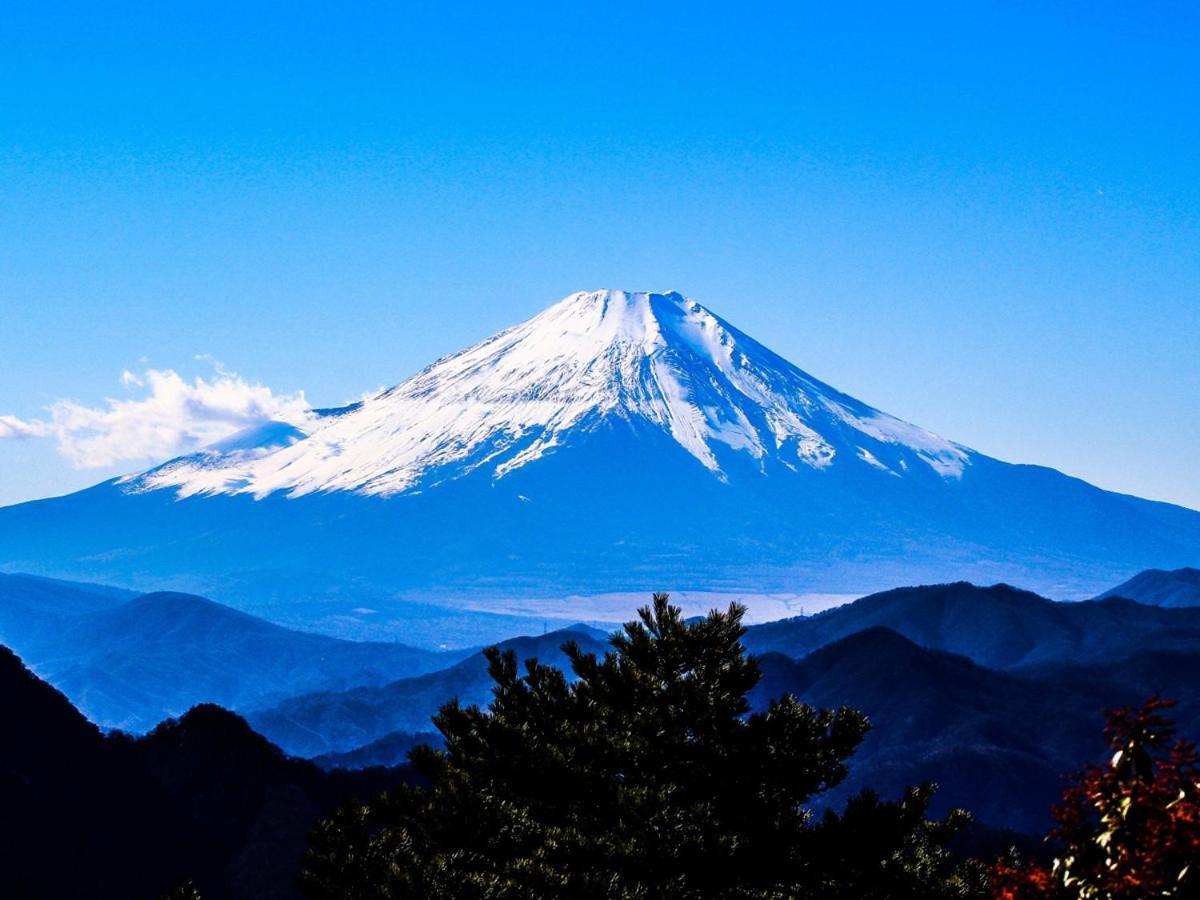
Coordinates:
<point>644,775</point>
<point>647,776</point>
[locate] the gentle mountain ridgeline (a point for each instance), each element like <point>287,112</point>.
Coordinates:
<point>33,611</point>
<point>202,799</point>
<point>994,743</point>
<point>1000,627</point>
<point>131,661</point>
<point>1156,587</point>
<point>390,750</point>
<point>991,693</point>
<point>614,441</point>
<point>342,721</point>
<point>951,676</point>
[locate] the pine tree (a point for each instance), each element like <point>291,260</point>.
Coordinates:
<point>646,776</point>
<point>185,891</point>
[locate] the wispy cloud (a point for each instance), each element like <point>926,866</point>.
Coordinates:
<point>12,427</point>
<point>168,416</point>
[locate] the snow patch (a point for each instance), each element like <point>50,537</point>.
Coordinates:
<point>657,359</point>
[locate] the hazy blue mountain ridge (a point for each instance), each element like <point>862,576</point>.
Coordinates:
<point>1180,587</point>
<point>131,664</point>
<point>341,721</point>
<point>1000,626</point>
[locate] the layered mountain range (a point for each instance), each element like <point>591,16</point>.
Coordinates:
<point>993,692</point>
<point>615,442</point>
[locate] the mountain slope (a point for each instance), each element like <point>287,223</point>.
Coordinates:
<point>390,750</point>
<point>201,799</point>
<point>341,721</point>
<point>1156,587</point>
<point>34,611</point>
<point>1000,626</point>
<point>658,360</point>
<point>994,743</point>
<point>134,664</point>
<point>615,443</point>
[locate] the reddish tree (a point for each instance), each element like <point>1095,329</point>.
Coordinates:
<point>1128,830</point>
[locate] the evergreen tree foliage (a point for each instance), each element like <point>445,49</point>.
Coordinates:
<point>185,891</point>
<point>644,776</point>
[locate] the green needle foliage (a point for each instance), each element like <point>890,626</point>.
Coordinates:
<point>645,776</point>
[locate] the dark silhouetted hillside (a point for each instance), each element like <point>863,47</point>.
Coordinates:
<point>1000,627</point>
<point>202,798</point>
<point>995,742</point>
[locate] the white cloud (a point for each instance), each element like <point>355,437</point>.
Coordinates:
<point>12,427</point>
<point>171,416</point>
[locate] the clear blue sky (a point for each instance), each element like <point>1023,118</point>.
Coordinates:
<point>983,218</point>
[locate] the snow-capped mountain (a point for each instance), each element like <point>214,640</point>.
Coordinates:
<point>660,360</point>
<point>617,442</point>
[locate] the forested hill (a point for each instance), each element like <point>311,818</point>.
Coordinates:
<point>201,799</point>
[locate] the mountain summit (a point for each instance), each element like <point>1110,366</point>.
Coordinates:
<point>659,361</point>
<point>617,442</point>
